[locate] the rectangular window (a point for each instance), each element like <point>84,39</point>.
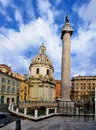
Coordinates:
<point>3,80</point>
<point>3,88</point>
<point>9,82</point>
<point>72,84</point>
<point>13,83</point>
<point>12,99</point>
<point>81,84</point>
<point>8,100</point>
<point>13,90</point>
<point>37,71</point>
<point>93,84</point>
<point>84,84</point>
<point>8,89</point>
<point>18,85</point>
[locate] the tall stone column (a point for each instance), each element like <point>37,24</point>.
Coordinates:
<point>65,72</point>
<point>65,104</point>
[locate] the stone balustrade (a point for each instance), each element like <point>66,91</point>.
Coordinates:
<point>13,108</point>
<point>37,104</point>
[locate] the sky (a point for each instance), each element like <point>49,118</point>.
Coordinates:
<point>26,24</point>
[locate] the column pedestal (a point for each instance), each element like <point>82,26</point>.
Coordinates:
<point>66,107</point>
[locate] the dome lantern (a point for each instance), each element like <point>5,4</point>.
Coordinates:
<point>42,49</point>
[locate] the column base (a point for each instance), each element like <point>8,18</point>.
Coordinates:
<point>66,107</point>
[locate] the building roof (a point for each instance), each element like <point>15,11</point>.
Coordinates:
<point>83,77</point>
<point>6,74</point>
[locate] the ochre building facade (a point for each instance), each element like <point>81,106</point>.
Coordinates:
<point>9,88</point>
<point>24,91</point>
<point>13,87</point>
<point>83,88</point>
<point>58,89</point>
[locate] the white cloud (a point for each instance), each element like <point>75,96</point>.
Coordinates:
<point>83,44</point>
<point>57,2</point>
<point>5,2</point>
<point>46,10</point>
<point>3,10</point>
<point>18,16</point>
<point>44,5</point>
<point>87,12</point>
<point>29,9</point>
<point>31,34</point>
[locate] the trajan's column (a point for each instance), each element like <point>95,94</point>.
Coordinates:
<point>65,104</point>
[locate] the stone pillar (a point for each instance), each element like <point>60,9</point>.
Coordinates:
<point>77,110</point>
<point>17,110</point>
<point>12,107</point>
<point>55,109</point>
<point>47,111</point>
<point>25,111</point>
<point>36,113</point>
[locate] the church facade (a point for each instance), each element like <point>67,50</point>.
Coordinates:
<point>41,81</point>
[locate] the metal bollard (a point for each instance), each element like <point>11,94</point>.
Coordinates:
<point>18,124</point>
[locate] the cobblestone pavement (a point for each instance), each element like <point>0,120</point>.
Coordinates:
<point>58,123</point>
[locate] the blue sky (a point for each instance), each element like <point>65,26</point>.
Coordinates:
<point>25,24</point>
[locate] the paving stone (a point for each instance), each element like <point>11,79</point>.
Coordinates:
<point>58,123</point>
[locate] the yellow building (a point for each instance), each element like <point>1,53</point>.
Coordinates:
<point>41,84</point>
<point>9,88</point>
<point>13,88</point>
<point>83,88</point>
<point>24,91</point>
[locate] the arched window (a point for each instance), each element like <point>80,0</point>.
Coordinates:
<point>47,72</point>
<point>37,71</point>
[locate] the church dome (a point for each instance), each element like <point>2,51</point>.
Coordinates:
<point>41,58</point>
<point>42,85</point>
